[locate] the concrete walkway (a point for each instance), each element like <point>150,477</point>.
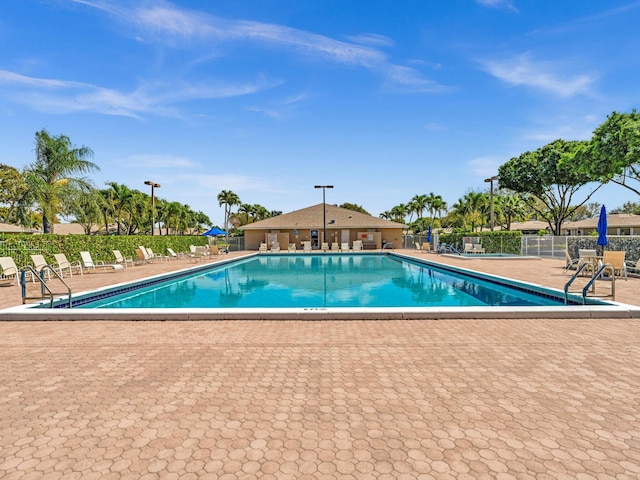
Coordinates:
<point>461,399</point>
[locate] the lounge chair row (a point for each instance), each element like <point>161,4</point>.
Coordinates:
<point>306,247</point>
<point>62,266</point>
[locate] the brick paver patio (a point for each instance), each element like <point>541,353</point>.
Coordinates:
<point>460,399</point>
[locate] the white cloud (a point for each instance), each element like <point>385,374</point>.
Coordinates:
<point>371,39</point>
<point>159,161</point>
<point>522,71</point>
<point>508,4</point>
<point>485,166</point>
<point>62,96</point>
<point>167,24</point>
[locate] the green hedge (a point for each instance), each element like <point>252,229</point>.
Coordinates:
<point>492,242</point>
<point>21,246</point>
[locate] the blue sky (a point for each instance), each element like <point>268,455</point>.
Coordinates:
<point>382,99</point>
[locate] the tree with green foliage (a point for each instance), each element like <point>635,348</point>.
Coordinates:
<point>615,151</point>
<point>228,199</point>
<point>552,174</point>
<point>56,167</point>
<point>354,207</point>
<point>12,190</point>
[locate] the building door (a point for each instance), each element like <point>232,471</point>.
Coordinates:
<point>315,240</point>
<point>345,236</point>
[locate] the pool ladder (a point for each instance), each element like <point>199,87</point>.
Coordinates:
<point>589,290</point>
<point>45,290</point>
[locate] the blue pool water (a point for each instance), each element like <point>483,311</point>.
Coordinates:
<point>326,280</point>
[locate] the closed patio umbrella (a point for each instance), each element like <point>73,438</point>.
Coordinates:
<point>602,229</point>
<point>429,234</point>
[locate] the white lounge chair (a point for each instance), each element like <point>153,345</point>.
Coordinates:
<point>9,271</point>
<point>357,245</point>
<point>335,247</point>
<point>89,264</point>
<point>63,264</point>
<point>40,264</point>
<point>156,256</point>
<point>324,247</point>
<point>263,247</point>
<point>344,246</point>
<point>306,246</point>
<point>275,247</point>
<point>292,247</point>
<point>121,260</point>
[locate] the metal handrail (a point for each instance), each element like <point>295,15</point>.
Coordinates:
<point>571,280</point>
<point>601,270</point>
<point>43,284</point>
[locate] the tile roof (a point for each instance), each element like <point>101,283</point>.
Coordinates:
<point>613,220</point>
<point>311,217</point>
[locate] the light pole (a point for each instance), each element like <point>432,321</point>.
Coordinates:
<point>490,180</point>
<point>153,203</point>
<point>324,211</point>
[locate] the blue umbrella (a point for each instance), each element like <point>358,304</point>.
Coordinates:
<point>214,232</point>
<point>429,234</point>
<point>602,227</point>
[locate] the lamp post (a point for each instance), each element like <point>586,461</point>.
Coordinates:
<point>490,181</point>
<point>153,203</point>
<point>324,211</point>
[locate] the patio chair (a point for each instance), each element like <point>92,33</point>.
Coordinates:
<point>570,263</point>
<point>292,247</point>
<point>633,267</point>
<point>344,246</point>
<point>324,247</point>
<point>616,260</point>
<point>121,260</point>
<point>335,247</point>
<point>9,271</point>
<point>62,264</point>
<point>306,246</point>
<point>589,257</point>
<point>275,247</point>
<point>156,256</point>
<point>89,264</point>
<point>426,247</point>
<point>195,255</point>
<point>40,264</point>
<point>477,248</point>
<point>357,245</point>
<point>173,254</point>
<point>263,247</point>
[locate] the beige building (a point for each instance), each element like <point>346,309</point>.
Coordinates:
<point>617,224</point>
<point>342,226</point>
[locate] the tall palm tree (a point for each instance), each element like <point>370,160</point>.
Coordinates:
<point>418,205</point>
<point>122,199</point>
<point>228,199</point>
<point>398,213</point>
<point>56,166</point>
<point>512,207</point>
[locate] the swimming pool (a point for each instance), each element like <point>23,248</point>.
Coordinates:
<point>417,271</point>
<point>325,281</point>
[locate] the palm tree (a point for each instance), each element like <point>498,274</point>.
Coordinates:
<point>122,199</point>
<point>57,162</point>
<point>418,205</point>
<point>512,207</point>
<point>86,207</point>
<point>228,199</point>
<point>398,213</point>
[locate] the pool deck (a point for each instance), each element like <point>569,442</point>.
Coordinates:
<point>394,399</point>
